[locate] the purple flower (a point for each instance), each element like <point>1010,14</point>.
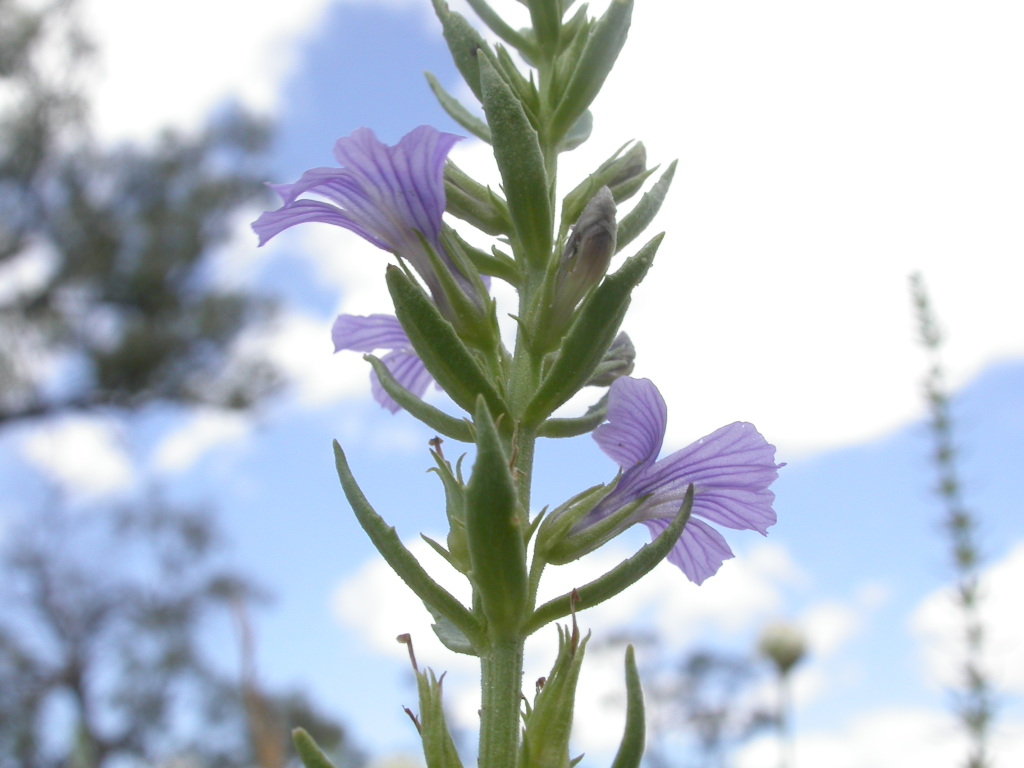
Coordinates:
<point>392,197</point>
<point>730,469</point>
<point>373,332</point>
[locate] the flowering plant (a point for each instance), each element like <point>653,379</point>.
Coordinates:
<point>568,337</point>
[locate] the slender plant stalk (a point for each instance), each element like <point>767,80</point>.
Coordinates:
<point>974,700</point>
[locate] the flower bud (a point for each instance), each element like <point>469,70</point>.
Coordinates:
<point>783,645</point>
<point>585,258</point>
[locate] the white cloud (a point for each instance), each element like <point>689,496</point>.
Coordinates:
<point>813,178</point>
<point>939,626</point>
<point>203,431</point>
<point>887,738</point>
<point>85,456</point>
<point>300,346</point>
<point>172,62</point>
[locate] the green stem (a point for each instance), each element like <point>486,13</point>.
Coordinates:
<point>501,692</point>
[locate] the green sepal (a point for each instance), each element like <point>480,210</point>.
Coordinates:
<point>309,753</point>
<point>580,425</point>
<point>495,263</point>
<point>455,510</point>
<point>548,724</point>
<point>521,42</point>
<point>463,41</point>
<point>591,333</point>
<point>643,213</point>
<point>559,550</point>
<point>604,42</point>
<point>546,16</point>
<point>573,26</point>
<point>457,112</point>
<point>386,540</point>
<point>623,173</point>
<point>573,39</point>
<point>495,526</point>
<point>472,315</point>
<point>556,525</point>
<point>521,164</point>
<point>634,736</point>
<point>443,353</point>
<point>438,745</point>
<point>474,203</point>
<point>435,418</point>
<point>619,578</point>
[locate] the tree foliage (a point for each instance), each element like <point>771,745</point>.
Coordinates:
<point>110,296</point>
<point>111,301</point>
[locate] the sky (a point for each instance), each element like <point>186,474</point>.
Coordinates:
<point>826,151</point>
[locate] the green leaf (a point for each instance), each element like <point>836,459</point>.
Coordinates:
<point>435,418</point>
<point>581,425</point>
<point>599,54</point>
<point>443,353</point>
<point>463,41</point>
<point>631,748</point>
<point>475,203</point>
<point>592,332</point>
<point>643,213</point>
<point>401,560</point>
<point>498,26</point>
<point>438,745</point>
<point>521,164</point>
<point>495,525</point>
<point>457,112</point>
<point>547,23</point>
<point>619,578</point>
<point>309,752</point>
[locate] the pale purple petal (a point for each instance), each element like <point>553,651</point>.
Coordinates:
<point>731,471</point>
<point>384,194</point>
<point>415,164</point>
<point>700,551</point>
<point>408,370</point>
<point>635,429</point>
<point>366,333</point>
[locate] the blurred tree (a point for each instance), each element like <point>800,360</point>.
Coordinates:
<point>100,655</point>
<point>107,295</point>
<point>111,301</point>
<point>701,705</point>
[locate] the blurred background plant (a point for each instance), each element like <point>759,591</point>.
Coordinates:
<point>973,697</point>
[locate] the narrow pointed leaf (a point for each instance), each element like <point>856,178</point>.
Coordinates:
<point>401,560</point>
<point>521,164</point>
<point>618,578</point>
<point>463,42</point>
<point>494,529</point>
<point>631,748</point>
<point>457,112</point>
<point>547,22</point>
<point>309,753</point>
<point>498,26</point>
<point>435,418</point>
<point>643,213</point>
<point>599,54</point>
<point>580,425</point>
<point>443,353</point>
